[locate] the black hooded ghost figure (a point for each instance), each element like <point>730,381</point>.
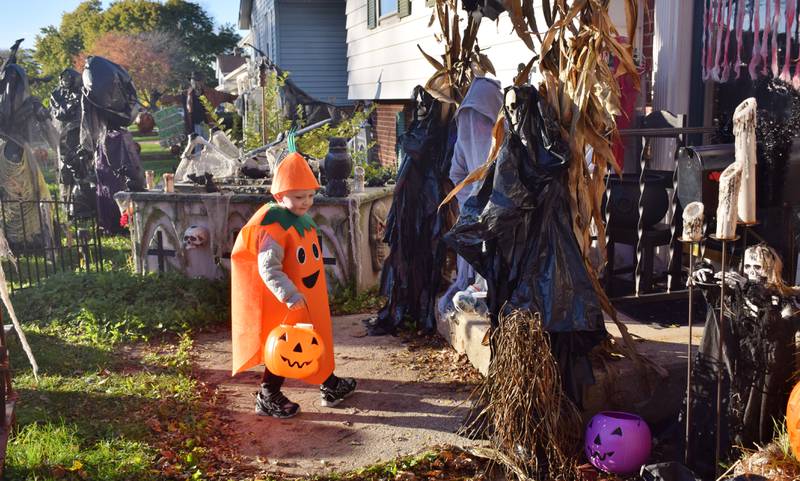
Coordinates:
<point>22,115</point>
<point>516,231</point>
<point>412,274</point>
<point>77,176</point>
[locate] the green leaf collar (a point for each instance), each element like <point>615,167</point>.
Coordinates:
<point>282,215</point>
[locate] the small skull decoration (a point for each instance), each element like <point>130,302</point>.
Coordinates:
<point>759,264</point>
<point>195,236</point>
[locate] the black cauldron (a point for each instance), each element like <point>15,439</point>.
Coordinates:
<point>624,199</point>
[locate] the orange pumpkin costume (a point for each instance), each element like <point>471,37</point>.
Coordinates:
<point>255,311</point>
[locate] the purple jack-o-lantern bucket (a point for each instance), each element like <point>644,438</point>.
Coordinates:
<point>617,442</point>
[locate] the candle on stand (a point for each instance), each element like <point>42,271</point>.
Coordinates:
<point>169,182</point>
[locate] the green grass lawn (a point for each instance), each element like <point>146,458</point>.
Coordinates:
<point>115,399</point>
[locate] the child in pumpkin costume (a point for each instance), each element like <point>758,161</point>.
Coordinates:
<point>278,277</point>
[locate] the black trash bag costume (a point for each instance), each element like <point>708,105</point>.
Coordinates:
<point>109,104</point>
<point>758,358</point>
<point>412,274</point>
<point>76,172</point>
<point>516,231</point>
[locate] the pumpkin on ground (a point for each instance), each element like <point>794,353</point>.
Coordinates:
<point>617,442</point>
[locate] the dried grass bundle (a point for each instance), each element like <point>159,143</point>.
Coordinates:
<point>535,429</point>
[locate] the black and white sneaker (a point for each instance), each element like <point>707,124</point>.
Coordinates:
<point>276,405</point>
<point>331,397</point>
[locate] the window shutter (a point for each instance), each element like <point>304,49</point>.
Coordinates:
<point>403,8</point>
<point>372,14</point>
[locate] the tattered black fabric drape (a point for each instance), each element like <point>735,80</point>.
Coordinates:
<point>412,274</point>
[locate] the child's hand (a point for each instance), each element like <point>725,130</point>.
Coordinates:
<point>300,304</point>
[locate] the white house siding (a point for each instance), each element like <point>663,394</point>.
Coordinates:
<point>384,63</point>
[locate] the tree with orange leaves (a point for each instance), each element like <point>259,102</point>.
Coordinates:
<point>155,60</point>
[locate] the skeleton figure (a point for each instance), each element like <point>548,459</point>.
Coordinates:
<point>195,236</point>
<point>757,355</point>
<point>762,267</point>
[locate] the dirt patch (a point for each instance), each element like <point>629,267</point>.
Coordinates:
<point>411,395</point>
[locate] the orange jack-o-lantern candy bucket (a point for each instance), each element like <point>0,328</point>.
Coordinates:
<point>293,351</point>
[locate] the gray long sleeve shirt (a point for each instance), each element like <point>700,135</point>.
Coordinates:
<point>270,268</point>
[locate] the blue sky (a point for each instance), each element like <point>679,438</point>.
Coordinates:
<point>26,21</point>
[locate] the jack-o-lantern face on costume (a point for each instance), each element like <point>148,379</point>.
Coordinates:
<point>302,260</point>
<point>617,442</point>
<point>308,257</point>
<point>293,351</point>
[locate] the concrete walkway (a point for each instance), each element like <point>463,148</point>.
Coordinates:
<point>409,398</point>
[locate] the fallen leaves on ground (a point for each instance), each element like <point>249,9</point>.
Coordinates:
<point>431,357</point>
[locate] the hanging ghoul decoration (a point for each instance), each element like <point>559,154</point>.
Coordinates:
<point>22,116</point>
<point>413,273</point>
<point>758,356</point>
<point>108,105</point>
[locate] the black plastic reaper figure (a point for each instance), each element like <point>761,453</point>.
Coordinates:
<point>515,230</point>
<point>758,349</point>
<point>76,171</point>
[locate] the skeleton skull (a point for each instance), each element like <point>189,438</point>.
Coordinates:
<point>195,236</point>
<point>758,263</point>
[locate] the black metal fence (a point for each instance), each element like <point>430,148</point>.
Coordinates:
<point>46,240</point>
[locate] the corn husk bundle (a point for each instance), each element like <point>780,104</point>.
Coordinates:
<point>535,430</point>
<point>584,93</point>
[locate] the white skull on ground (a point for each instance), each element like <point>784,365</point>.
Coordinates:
<point>195,236</point>
<point>758,263</point>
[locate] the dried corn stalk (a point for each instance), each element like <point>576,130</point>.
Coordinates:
<point>462,59</point>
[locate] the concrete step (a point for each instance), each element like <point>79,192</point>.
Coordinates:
<point>619,384</point>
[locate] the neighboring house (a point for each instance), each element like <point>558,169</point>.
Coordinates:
<point>306,38</point>
<point>229,68</point>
